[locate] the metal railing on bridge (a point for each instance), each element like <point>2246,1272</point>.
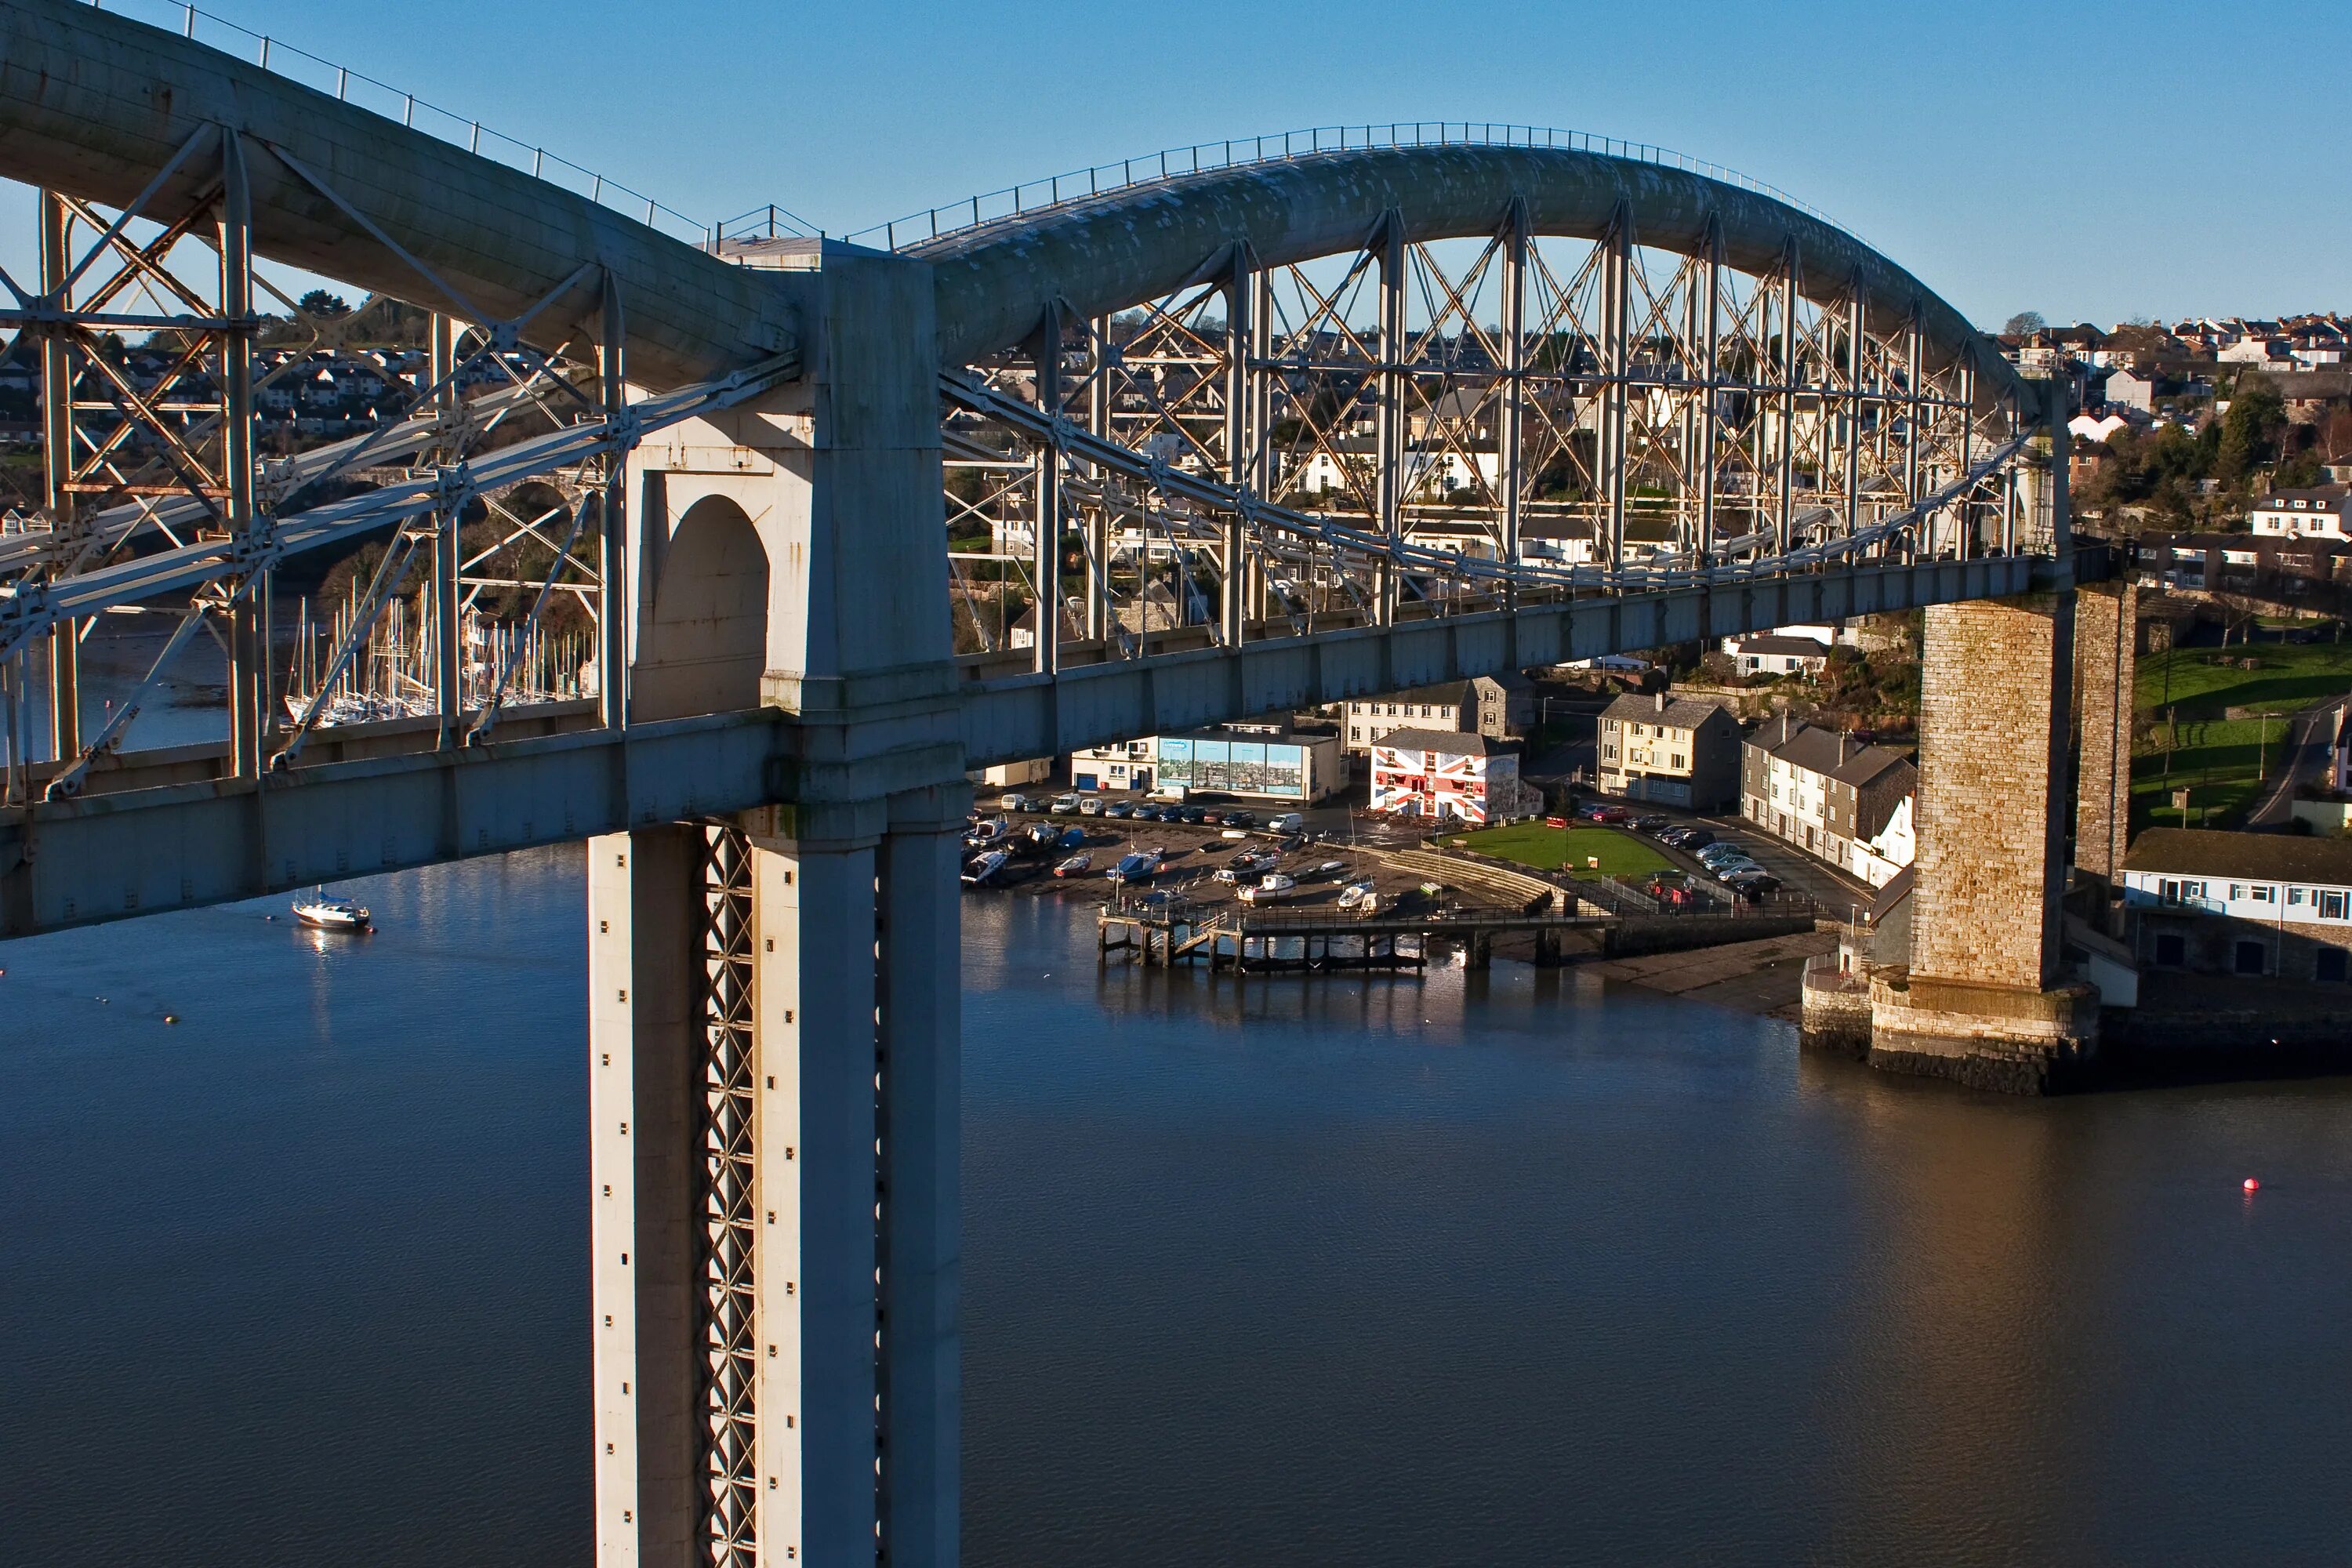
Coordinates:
<point>364,91</point>
<point>1009,202</point>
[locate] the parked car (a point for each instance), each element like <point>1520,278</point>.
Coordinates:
<point>1689,837</point>
<point>1194,816</point>
<point>1288,822</point>
<point>1730,869</point>
<point>1214,818</point>
<point>1717,851</point>
<point>1063,805</point>
<point>1017,802</point>
<point>1118,808</point>
<point>1652,825</point>
<point>1241,820</point>
<point>1091,805</point>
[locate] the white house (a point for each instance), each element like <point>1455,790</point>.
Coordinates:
<point>2253,904</point>
<point>2129,388</point>
<point>2322,511</point>
<point>2083,428</point>
<point>1777,655</point>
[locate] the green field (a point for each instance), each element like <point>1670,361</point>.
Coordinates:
<point>2219,760</point>
<point>1553,849</point>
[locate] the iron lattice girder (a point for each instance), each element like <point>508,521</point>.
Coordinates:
<point>34,610</point>
<point>93,104</point>
<point>1266,519</point>
<point>1101,255</point>
<point>731,1328</point>
<point>1650,379</point>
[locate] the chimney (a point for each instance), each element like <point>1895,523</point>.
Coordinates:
<point>1662,702</point>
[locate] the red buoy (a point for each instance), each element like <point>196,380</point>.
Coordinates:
<point>2252,1185</point>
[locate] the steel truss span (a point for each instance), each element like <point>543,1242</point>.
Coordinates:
<point>1366,387</point>
<point>1309,391</point>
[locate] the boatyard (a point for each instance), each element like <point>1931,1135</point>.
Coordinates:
<point>1233,895</point>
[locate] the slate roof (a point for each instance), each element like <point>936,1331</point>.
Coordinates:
<point>1681,712</point>
<point>1445,742</point>
<point>1803,647</point>
<point>2248,856</point>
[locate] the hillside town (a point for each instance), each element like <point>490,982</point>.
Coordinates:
<point>2219,424</point>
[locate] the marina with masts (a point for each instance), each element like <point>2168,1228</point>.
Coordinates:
<point>390,676</point>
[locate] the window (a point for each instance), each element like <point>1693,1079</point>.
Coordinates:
<point>1682,762</point>
<point>1355,732</point>
<point>2294,896</point>
<point>2328,963</point>
<point>2331,905</point>
<point>2262,895</point>
<point>2170,950</point>
<point>2249,957</point>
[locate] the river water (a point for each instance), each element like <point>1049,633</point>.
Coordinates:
<point>1503,1270</point>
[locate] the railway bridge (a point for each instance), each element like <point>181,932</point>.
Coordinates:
<point>1228,431</point>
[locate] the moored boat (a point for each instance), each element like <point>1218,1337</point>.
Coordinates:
<point>1075,865</point>
<point>320,912</point>
<point>1270,888</point>
<point>983,869</point>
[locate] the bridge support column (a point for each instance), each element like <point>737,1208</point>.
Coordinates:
<point>796,551</point>
<point>2105,671</point>
<point>1984,1001</point>
<point>774,1099</point>
<point>647,1050</point>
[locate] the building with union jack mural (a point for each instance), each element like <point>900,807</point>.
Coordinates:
<point>1440,774</point>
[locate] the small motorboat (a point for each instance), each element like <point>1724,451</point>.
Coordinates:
<point>1139,866</point>
<point>1271,887</point>
<point>1355,895</point>
<point>983,869</point>
<point>1075,865</point>
<point>320,912</point>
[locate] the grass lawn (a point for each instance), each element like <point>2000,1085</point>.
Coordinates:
<point>2219,760</point>
<point>1551,849</point>
<point>2291,676</point>
<point>2216,764</point>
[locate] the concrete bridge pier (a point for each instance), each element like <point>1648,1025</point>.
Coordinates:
<point>774,1079</point>
<point>1986,1000</point>
<point>775,1047</point>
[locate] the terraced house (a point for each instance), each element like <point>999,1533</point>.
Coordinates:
<point>1671,751</point>
<point>2264,905</point>
<point>1830,796</point>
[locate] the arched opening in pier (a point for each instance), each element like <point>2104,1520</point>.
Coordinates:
<point>705,645</point>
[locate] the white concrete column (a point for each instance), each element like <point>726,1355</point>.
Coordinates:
<point>645,1148</point>
<point>921,1127</point>
<point>814,1004</point>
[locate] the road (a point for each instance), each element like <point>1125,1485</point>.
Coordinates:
<point>1838,894</point>
<point>2310,734</point>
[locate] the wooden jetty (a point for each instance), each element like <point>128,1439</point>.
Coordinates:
<point>1166,930</point>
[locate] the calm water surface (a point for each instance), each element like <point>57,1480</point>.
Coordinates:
<point>1503,1270</point>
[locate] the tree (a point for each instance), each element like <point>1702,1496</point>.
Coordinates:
<point>2250,434</point>
<point>2022,324</point>
<point>2335,439</point>
<point>319,303</point>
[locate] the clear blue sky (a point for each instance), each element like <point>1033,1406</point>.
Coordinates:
<point>2086,159</point>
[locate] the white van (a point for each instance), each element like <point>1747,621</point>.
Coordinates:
<point>1288,822</point>
<point>1091,805</point>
